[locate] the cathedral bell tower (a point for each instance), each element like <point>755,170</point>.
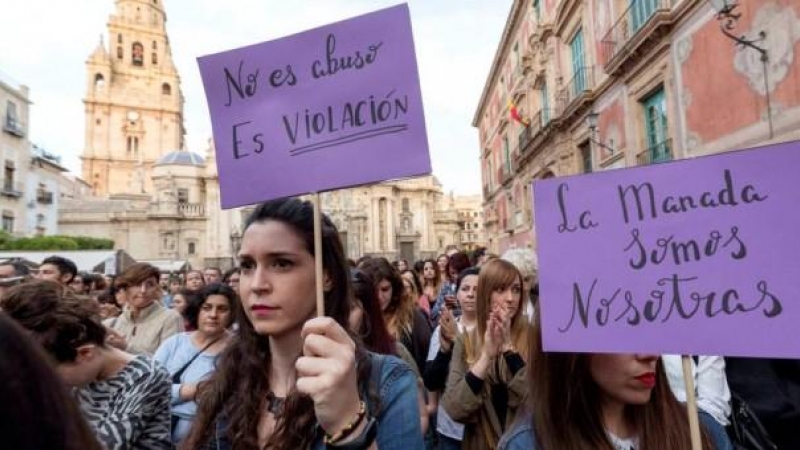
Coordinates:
<point>133,103</point>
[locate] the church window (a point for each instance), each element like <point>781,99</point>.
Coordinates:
<point>119,52</point>
<point>191,248</point>
<point>119,38</point>
<point>166,89</point>
<point>99,81</point>
<point>155,58</point>
<point>133,145</point>
<point>155,45</point>
<point>183,196</point>
<point>8,221</point>
<point>405,205</point>
<point>137,54</point>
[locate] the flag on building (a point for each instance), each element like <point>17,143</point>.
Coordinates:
<point>512,109</point>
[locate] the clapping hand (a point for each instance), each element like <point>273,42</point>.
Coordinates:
<point>447,329</point>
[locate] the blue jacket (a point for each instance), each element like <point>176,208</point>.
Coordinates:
<point>521,437</point>
<point>398,418</point>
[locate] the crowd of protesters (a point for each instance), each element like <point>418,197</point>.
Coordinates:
<point>441,353</point>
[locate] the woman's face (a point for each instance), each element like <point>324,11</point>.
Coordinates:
<point>384,289</point>
<point>194,281</point>
<point>402,266</point>
<point>143,294</point>
<point>509,297</point>
<point>408,286</point>
<point>626,379</point>
<point>214,316</point>
<point>467,293</point>
<point>179,303</point>
<point>428,271</point>
<point>277,283</point>
<point>442,262</point>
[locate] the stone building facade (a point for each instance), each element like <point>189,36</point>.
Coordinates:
<point>611,83</point>
<point>133,103</point>
<point>29,193</point>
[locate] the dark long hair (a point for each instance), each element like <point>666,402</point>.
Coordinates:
<point>565,402</point>
<point>399,314</point>
<point>196,299</point>
<point>38,411</point>
<point>373,332</point>
<point>236,392</point>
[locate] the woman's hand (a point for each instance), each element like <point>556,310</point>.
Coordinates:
<point>115,339</point>
<point>447,330</point>
<point>327,373</point>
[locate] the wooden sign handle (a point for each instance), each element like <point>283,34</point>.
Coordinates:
<point>318,254</point>
<point>691,403</point>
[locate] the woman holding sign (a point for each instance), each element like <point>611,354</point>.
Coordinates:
<point>288,379</point>
<point>487,381</point>
<point>603,401</point>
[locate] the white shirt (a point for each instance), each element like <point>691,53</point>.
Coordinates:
<point>711,385</point>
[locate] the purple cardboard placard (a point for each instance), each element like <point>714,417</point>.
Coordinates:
<point>705,261</point>
<point>327,108</point>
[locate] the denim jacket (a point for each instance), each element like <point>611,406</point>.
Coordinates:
<point>398,418</point>
<point>447,289</point>
<point>521,436</point>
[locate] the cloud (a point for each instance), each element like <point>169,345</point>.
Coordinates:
<point>455,44</point>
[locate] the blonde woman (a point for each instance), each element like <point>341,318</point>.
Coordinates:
<point>487,381</point>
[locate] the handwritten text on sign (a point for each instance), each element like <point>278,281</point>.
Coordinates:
<point>328,108</point>
<point>694,257</point>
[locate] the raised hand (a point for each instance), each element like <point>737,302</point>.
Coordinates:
<point>327,373</point>
<point>447,329</point>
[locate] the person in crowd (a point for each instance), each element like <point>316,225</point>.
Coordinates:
<point>525,260</point>
<point>441,263</point>
<point>413,287</point>
<point>402,265</point>
<point>212,275</point>
<point>58,269</point>
<point>11,274</point>
<point>447,294</point>
<point>404,320</point>
<point>487,384</point>
<point>710,383</point>
<point>603,401</point>
<point>110,304</point>
<point>366,321</point>
<point>431,280</point>
<point>437,367</point>
<point>124,397</point>
<point>288,379</point>
<point>419,265</point>
<point>195,280</point>
<point>190,357</point>
<point>81,283</point>
<point>144,322</point>
<point>232,277</point>
<point>38,412</point>
<point>180,304</point>
<point>478,256</point>
<point>771,388</point>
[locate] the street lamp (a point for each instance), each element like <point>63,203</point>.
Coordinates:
<point>591,122</point>
<point>728,18</point>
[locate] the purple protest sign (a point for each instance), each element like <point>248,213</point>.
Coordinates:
<point>327,108</point>
<point>696,256</point>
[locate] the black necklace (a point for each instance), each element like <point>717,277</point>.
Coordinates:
<point>275,404</point>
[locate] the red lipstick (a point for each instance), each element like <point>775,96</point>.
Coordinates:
<point>262,309</point>
<point>647,379</point>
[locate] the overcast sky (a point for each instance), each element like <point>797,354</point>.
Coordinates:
<point>44,44</point>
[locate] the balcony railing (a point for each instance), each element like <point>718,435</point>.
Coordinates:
<point>44,197</point>
<point>11,189</point>
<point>582,81</point>
<point>14,127</point>
<point>638,14</point>
<point>661,152</point>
